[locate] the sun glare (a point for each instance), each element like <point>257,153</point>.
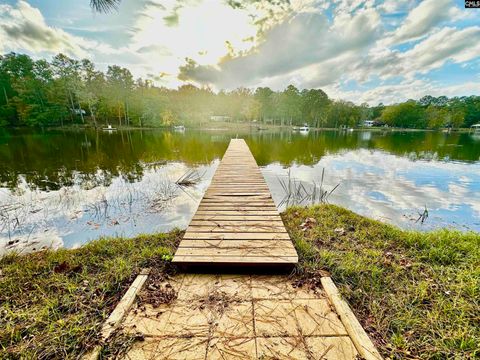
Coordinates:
<point>204,32</point>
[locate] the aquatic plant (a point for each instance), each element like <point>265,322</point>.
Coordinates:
<point>300,193</point>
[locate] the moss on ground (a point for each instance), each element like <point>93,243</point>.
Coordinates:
<point>53,303</point>
<point>416,293</point>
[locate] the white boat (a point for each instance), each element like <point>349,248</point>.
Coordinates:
<point>109,128</point>
<point>304,128</point>
<point>368,123</point>
<point>179,128</point>
<point>476,128</point>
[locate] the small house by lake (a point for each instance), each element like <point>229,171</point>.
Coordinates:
<point>476,127</point>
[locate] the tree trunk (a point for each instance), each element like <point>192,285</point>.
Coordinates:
<point>125,112</point>
<point>5,93</point>
<point>71,104</point>
<point>119,115</point>
<point>92,113</point>
<point>81,113</point>
<point>39,99</point>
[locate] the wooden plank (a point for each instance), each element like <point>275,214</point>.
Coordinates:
<point>195,222</point>
<point>236,198</point>
<point>235,236</point>
<point>228,185</point>
<point>246,191</point>
<point>236,259</point>
<point>235,243</point>
<point>236,207</point>
<point>238,203</point>
<point>220,228</point>
<point>237,193</point>
<point>233,183</point>
<point>217,191</point>
<point>360,339</point>
<point>234,251</point>
<point>214,217</point>
<point>237,212</point>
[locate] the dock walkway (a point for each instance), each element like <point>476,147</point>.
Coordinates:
<point>238,316</point>
<point>237,222</point>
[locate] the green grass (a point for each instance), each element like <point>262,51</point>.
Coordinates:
<point>53,303</point>
<point>416,293</point>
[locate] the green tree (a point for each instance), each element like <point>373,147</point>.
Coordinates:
<point>436,117</point>
<point>291,103</point>
<point>168,117</point>
<point>408,115</point>
<point>92,83</point>
<point>67,73</point>
<point>314,105</point>
<point>343,113</point>
<point>264,97</point>
<point>120,83</point>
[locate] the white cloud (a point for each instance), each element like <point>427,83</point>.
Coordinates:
<point>447,44</point>
<point>388,93</point>
<point>301,41</point>
<point>23,28</point>
<point>422,19</point>
<point>311,50</point>
<point>395,6</point>
<point>310,43</point>
<point>204,30</point>
<point>408,89</point>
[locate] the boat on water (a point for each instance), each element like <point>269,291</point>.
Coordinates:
<point>179,128</point>
<point>109,128</point>
<point>305,128</point>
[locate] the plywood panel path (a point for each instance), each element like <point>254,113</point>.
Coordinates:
<point>237,222</point>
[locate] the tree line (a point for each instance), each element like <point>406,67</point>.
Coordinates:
<point>67,91</point>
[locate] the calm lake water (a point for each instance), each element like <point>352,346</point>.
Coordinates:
<point>64,188</point>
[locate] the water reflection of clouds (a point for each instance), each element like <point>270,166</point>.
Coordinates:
<point>385,186</point>
<point>74,215</point>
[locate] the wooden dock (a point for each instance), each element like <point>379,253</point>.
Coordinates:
<point>237,222</point>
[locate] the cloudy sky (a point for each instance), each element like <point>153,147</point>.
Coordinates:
<point>360,50</point>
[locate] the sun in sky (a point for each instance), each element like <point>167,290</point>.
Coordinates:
<point>364,51</point>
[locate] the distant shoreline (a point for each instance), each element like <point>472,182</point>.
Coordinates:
<point>233,126</point>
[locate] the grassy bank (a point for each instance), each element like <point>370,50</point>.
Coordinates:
<point>416,294</point>
<point>52,304</point>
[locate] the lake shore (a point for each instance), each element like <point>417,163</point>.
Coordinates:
<point>416,293</point>
<point>225,126</point>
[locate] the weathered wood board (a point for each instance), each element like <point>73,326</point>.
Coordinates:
<point>237,222</point>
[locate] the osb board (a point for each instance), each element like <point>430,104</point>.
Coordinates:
<point>239,317</point>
